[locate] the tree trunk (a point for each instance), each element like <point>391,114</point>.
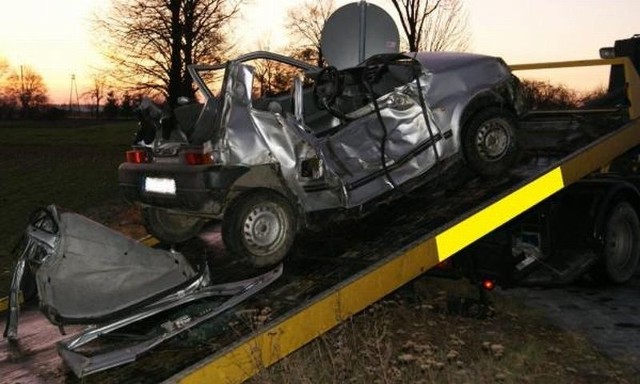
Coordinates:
<point>189,35</point>
<point>175,67</point>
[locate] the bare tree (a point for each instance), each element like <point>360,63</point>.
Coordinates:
<point>7,103</point>
<point>271,77</point>
<point>4,69</point>
<point>126,104</point>
<point>111,105</point>
<point>151,42</point>
<point>97,91</point>
<point>264,71</point>
<point>433,25</point>
<point>544,95</point>
<point>27,88</point>
<point>305,22</point>
<point>4,73</point>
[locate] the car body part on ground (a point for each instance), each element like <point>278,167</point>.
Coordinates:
<point>89,274</point>
<point>332,144</point>
<point>167,328</point>
<point>86,272</point>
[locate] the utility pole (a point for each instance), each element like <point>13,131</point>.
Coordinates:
<point>74,87</point>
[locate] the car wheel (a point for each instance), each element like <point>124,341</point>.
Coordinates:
<point>259,228</point>
<point>621,251</point>
<point>170,227</point>
<point>489,141</point>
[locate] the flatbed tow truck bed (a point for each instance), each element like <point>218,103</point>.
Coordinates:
<point>333,275</point>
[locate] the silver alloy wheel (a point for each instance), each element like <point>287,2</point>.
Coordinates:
<point>493,139</point>
<point>264,228</point>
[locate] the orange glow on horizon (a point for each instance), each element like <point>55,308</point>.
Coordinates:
<point>55,37</point>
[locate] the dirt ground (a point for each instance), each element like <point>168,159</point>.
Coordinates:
<point>608,316</point>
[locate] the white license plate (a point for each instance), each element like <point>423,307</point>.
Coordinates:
<point>160,185</point>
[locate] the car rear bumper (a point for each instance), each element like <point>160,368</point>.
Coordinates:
<point>198,187</point>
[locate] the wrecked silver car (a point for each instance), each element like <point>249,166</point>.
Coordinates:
<point>334,142</point>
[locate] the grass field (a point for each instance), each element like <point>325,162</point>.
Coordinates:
<point>70,163</point>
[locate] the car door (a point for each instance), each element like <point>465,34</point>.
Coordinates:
<point>375,153</point>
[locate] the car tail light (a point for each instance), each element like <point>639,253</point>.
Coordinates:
<point>197,158</point>
<point>137,156</point>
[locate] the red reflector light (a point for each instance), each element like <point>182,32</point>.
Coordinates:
<point>488,284</point>
<point>137,157</point>
<point>197,158</point>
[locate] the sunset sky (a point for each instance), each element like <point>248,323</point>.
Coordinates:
<point>55,37</point>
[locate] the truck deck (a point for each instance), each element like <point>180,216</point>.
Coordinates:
<point>332,275</point>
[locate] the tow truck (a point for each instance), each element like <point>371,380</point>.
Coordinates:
<point>330,277</point>
<point>591,227</point>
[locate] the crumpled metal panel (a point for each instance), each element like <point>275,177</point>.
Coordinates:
<point>454,79</point>
<point>240,144</point>
<point>354,152</point>
<point>290,144</point>
<point>95,271</point>
<point>351,157</point>
<point>253,137</point>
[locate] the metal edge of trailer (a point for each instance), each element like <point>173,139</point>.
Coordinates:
<point>243,359</point>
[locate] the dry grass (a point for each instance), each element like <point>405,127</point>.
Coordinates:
<point>70,163</point>
<point>415,338</point>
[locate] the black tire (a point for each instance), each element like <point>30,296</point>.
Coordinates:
<point>259,228</point>
<point>171,227</point>
<point>621,248</point>
<point>489,141</point>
